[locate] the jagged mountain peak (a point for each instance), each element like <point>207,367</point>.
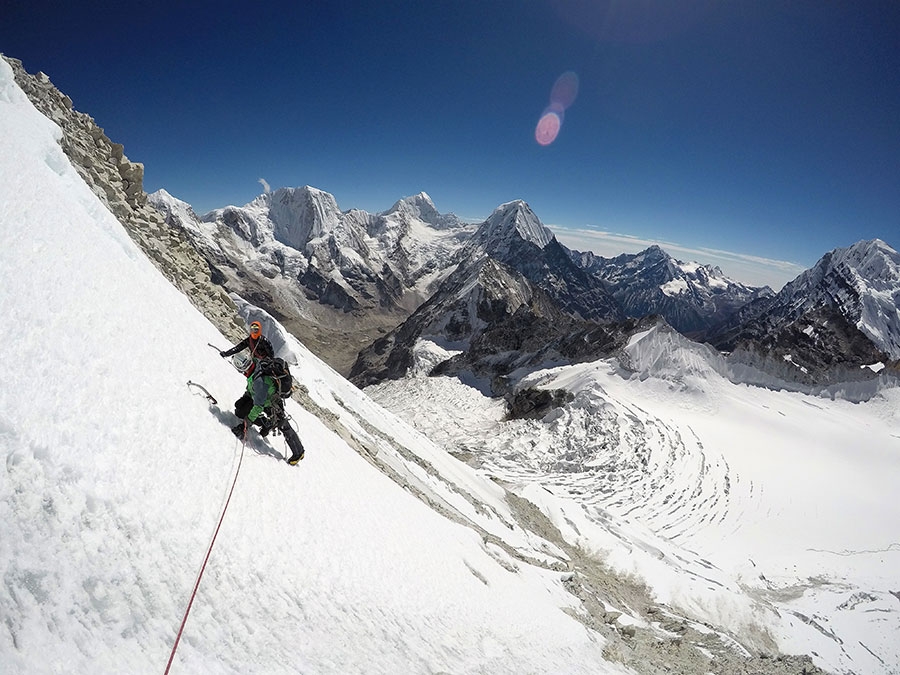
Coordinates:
<point>872,244</point>
<point>293,216</point>
<point>862,282</point>
<point>315,211</point>
<point>514,220</point>
<point>871,264</point>
<point>874,261</point>
<point>654,251</point>
<point>175,210</point>
<point>163,195</point>
<point>297,196</point>
<point>418,206</point>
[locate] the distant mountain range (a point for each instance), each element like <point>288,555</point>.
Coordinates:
<point>692,297</point>
<point>506,293</point>
<point>335,278</point>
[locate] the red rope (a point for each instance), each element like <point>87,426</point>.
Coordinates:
<point>208,552</point>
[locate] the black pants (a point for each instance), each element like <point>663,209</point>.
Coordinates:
<point>244,405</point>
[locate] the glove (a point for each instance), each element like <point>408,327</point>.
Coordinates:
<point>265,425</point>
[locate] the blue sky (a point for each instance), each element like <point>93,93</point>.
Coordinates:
<point>766,129</point>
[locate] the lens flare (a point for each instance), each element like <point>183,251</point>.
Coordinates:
<point>563,94</point>
<point>548,128</point>
<point>565,90</point>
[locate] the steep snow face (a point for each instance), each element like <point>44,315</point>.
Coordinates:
<point>114,475</point>
<point>510,221</point>
<point>862,282</point>
<point>301,214</point>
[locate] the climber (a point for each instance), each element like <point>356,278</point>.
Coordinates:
<point>254,341</point>
<point>263,402</point>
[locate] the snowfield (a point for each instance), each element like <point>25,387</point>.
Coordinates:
<point>742,507</point>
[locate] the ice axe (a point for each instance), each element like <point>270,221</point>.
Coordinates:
<point>209,397</point>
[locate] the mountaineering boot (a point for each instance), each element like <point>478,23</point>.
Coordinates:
<point>294,444</point>
<point>238,430</point>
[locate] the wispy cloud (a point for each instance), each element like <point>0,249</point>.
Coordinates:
<point>265,185</point>
<point>747,269</point>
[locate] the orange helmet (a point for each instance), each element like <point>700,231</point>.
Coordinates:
<point>255,329</point>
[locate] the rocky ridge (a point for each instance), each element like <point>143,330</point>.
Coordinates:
<point>118,182</point>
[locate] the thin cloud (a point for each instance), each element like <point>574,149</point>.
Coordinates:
<point>265,185</point>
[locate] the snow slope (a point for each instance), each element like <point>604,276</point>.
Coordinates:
<point>114,474</point>
<point>757,511</point>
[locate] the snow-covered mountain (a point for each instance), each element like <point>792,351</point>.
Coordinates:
<point>508,227</point>
<point>352,260</point>
<point>515,236</point>
<point>862,282</point>
<point>691,297</point>
<point>656,519</point>
<point>512,270</point>
<point>356,275</point>
<point>334,276</point>
<point>841,314</point>
<point>477,295</point>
